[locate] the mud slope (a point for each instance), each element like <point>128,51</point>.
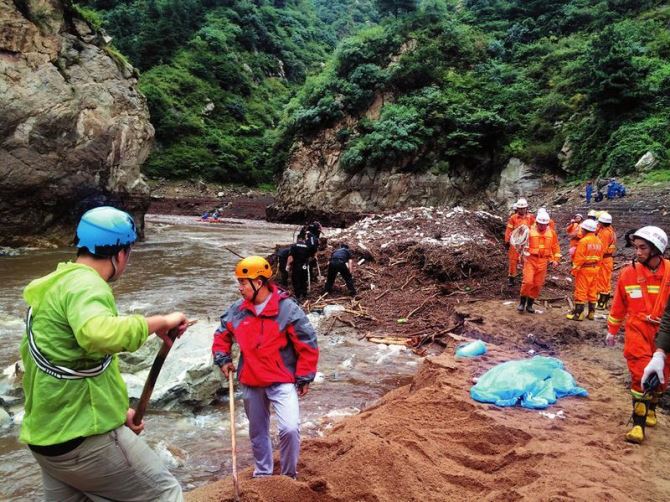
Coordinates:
<point>431,441</point>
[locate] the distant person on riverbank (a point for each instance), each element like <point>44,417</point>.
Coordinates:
<point>520,217</point>
<point>281,255</point>
<point>77,421</point>
<point>298,266</point>
<point>278,361</point>
<point>341,262</point>
<point>589,191</point>
<point>640,299</point>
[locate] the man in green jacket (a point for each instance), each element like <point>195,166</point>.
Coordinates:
<point>77,421</point>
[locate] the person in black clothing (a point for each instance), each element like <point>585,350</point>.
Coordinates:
<point>281,255</point>
<point>313,233</point>
<point>341,262</point>
<point>297,263</point>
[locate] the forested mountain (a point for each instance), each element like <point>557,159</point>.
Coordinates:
<point>465,82</point>
<point>475,82</point>
<point>216,73</point>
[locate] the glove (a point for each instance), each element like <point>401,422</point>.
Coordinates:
<point>656,365</point>
<point>610,340</point>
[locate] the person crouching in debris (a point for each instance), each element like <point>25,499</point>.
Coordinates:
<point>640,298</point>
<point>542,249</point>
<point>297,265</point>
<point>341,263</point>
<point>278,360</point>
<point>520,217</point>
<point>585,270</point>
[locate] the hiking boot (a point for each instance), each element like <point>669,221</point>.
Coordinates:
<point>529,306</point>
<point>577,314</point>
<point>522,304</point>
<point>592,311</point>
<point>510,281</point>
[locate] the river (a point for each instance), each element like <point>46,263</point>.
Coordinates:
<point>183,266</point>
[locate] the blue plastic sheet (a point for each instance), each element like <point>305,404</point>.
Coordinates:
<point>472,349</point>
<point>533,383</point>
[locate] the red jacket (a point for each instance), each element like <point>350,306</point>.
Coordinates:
<point>277,346</point>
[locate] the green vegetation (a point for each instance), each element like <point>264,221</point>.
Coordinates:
<point>475,82</point>
<point>217,73</point>
<point>233,84</point>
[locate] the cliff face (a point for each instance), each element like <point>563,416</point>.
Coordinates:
<point>74,129</point>
<point>314,185</point>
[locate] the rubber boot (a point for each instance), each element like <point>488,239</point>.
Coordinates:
<point>592,311</point>
<point>606,299</point>
<point>651,411</point>
<point>577,314</point>
<point>529,306</point>
<point>510,281</point>
<point>522,304</point>
<point>636,434</point>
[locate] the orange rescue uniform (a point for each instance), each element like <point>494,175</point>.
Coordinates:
<point>514,222</point>
<point>542,248</point>
<point>608,238</point>
<point>574,233</point>
<point>640,298</point>
<point>585,268</point>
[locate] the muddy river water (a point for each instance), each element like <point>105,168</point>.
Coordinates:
<point>183,265</point>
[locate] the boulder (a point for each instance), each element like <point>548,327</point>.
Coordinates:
<point>646,163</point>
<point>74,129</point>
<point>517,180</point>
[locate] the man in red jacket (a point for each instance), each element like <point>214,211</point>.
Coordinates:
<point>278,358</point>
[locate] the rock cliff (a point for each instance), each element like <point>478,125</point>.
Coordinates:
<point>314,185</point>
<point>74,128</point>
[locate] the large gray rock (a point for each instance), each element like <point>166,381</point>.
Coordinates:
<point>517,180</point>
<point>74,129</point>
<point>188,376</point>
<point>646,163</point>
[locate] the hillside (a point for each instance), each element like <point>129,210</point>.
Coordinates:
<point>217,73</point>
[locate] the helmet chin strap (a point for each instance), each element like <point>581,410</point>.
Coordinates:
<point>115,266</point>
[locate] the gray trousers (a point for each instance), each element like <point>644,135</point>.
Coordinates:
<point>117,465</point>
<point>284,400</point>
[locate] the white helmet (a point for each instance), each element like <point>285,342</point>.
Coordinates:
<point>592,214</point>
<point>521,203</point>
<point>543,218</point>
<point>654,236</point>
<point>589,225</point>
<point>605,217</point>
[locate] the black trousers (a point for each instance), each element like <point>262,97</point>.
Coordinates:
<point>299,280</point>
<point>338,267</point>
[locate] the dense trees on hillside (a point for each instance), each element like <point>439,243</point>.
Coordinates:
<point>231,84</point>
<point>478,81</point>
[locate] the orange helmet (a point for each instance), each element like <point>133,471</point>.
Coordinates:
<point>253,267</point>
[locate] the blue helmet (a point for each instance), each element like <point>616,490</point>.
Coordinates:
<point>104,231</point>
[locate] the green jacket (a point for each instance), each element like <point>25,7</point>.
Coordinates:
<point>75,323</point>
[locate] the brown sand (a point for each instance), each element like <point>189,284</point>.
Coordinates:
<point>431,441</point>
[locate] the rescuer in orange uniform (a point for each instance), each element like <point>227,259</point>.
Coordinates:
<point>520,217</point>
<point>640,299</point>
<point>607,236</point>
<point>542,248</point>
<point>574,233</point>
<point>585,269</point>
